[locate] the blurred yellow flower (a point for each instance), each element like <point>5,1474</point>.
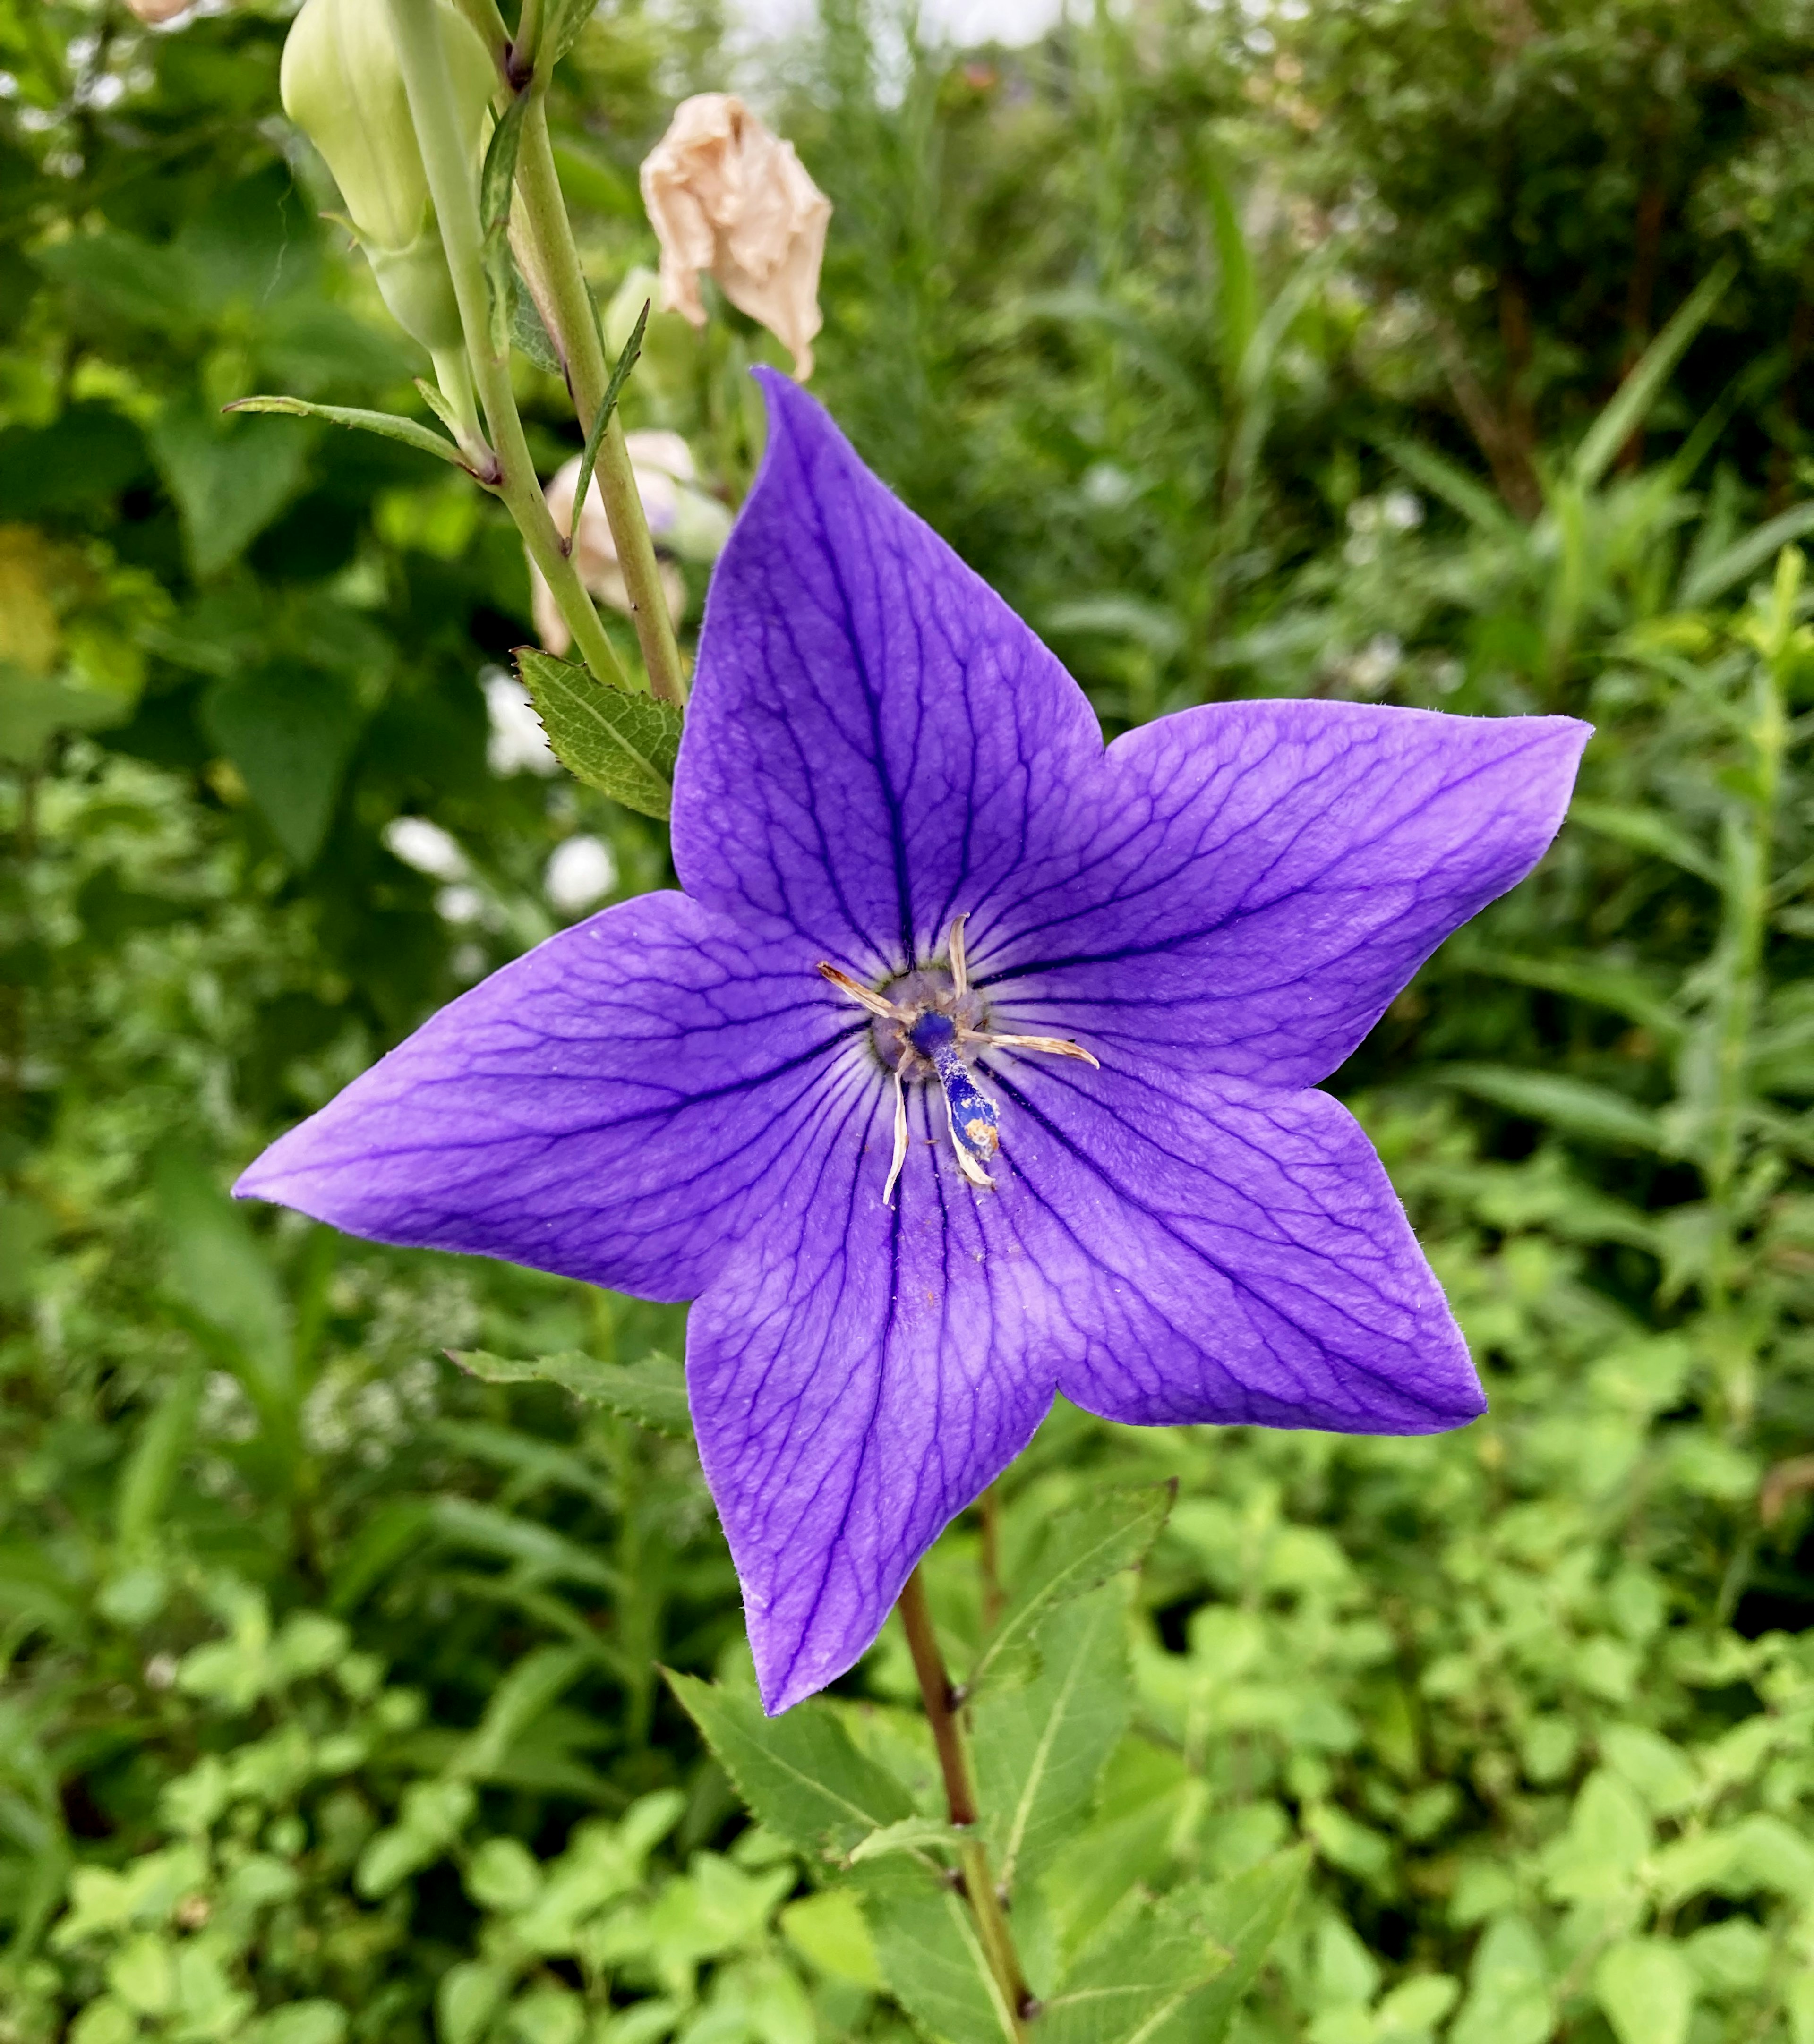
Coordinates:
<point>726,194</point>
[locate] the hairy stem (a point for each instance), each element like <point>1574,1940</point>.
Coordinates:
<point>453,185</point>
<point>567,311</point>
<point>940,1700</point>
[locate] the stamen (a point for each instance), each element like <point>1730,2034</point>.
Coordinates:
<point>960,970</point>
<point>1056,1047</point>
<point>900,1141</point>
<point>867,996</point>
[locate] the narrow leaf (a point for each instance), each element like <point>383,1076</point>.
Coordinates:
<point>912,1834</point>
<point>652,1393</point>
<point>387,424</point>
<point>1711,579</point>
<point>625,745</point>
<point>1644,830</point>
<point>798,1773</point>
<point>530,336</point>
<point>1575,1106</point>
<point>540,1678</point>
<point>1624,991</point>
<point>1452,486</point>
<point>1640,389</point>
<point>1083,1548</point>
<point>495,183</point>
<point>595,439</point>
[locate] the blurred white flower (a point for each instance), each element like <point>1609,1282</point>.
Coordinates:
<point>725,194</point>
<point>152,12</point>
<point>682,520</point>
<point>581,871</point>
<point>424,846</point>
<point>1401,512</point>
<point>517,743</point>
<point>1373,667</point>
<point>460,906</point>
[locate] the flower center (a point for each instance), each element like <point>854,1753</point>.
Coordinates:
<point>929,1025</point>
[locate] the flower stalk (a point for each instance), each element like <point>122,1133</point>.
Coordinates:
<point>552,254</point>
<point>941,1701</point>
<point>455,198</point>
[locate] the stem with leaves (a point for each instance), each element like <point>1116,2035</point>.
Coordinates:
<point>541,214</point>
<point>453,189</point>
<point>941,1702</point>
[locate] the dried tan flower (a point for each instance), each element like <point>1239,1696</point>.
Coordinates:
<point>725,194</point>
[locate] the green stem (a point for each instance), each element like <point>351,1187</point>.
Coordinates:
<point>941,1701</point>
<point>567,310</point>
<point>453,184</point>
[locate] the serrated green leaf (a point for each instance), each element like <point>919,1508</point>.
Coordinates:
<point>1134,1978</point>
<point>1038,1750</point>
<point>1575,1106</point>
<point>652,1393</point>
<point>624,745</point>
<point>1244,1916</point>
<point>1083,1548</point>
<point>931,1958</point>
<point>799,1773</point>
<point>387,425</point>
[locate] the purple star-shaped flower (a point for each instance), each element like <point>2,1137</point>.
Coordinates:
<point>975,1062</point>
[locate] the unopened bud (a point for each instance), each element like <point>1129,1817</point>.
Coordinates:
<point>343,85</point>
<point>725,194</point>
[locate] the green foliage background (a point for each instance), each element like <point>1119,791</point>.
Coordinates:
<point>1248,351</point>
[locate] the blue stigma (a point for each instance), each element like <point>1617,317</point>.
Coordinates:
<point>974,1122</point>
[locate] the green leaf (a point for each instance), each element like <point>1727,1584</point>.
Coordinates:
<point>1621,989</point>
<point>388,425</point>
<point>566,18</point>
<point>1646,831</point>
<point>1038,1750</point>
<point>1709,580</point>
<point>652,1393</point>
<point>1576,1107</point>
<point>539,1679</point>
<point>831,1932</point>
<point>530,337</point>
<point>1244,1916</point>
<point>1083,1548</point>
<point>1640,389</point>
<point>289,730</point>
<point>218,1269</point>
<point>226,490</point>
<point>150,1472</point>
<point>1453,486</point>
<point>488,1528</point>
<point>931,1958</point>
<point>912,1834</point>
<point>798,1773</point>
<point>495,183</point>
<point>608,404</point>
<point>624,745</point>
<point>1645,1986</point>
<point>1134,1978</point>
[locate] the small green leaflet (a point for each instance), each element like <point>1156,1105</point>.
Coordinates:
<point>495,184</point>
<point>1083,1548</point>
<point>926,1944</point>
<point>566,18</point>
<point>799,1773</point>
<point>1038,1750</point>
<point>388,425</point>
<point>595,439</point>
<point>624,745</point>
<point>912,1834</point>
<point>652,1393</point>
<point>531,336</point>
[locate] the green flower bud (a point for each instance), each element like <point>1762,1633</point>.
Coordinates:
<point>343,86</point>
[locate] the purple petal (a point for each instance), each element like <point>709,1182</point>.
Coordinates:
<point>1223,1253</point>
<point>609,1106</point>
<point>1261,878</point>
<point>858,1375</point>
<point>875,742</point>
